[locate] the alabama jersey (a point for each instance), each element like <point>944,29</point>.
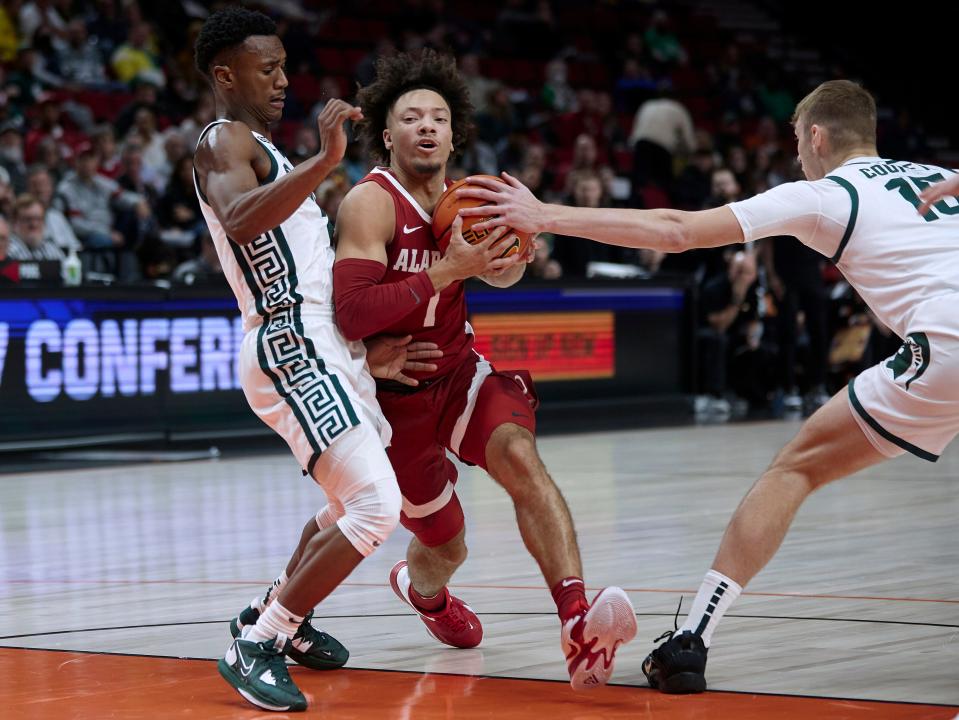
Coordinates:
<point>442,319</point>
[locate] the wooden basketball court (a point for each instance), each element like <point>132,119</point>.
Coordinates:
<point>117,583</point>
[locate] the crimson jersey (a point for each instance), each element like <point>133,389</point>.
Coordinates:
<point>442,319</point>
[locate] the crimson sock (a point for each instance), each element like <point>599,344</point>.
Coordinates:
<point>569,594</point>
<point>431,604</point>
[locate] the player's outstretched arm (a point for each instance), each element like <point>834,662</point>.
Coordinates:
<point>512,204</point>
<point>227,160</point>
<point>948,187</point>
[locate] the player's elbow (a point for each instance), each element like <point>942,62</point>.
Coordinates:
<point>676,235</point>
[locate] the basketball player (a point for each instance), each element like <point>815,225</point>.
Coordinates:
<point>299,374</point>
<point>389,277</point>
<point>859,210</point>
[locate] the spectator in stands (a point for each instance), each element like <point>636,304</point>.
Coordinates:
<point>57,227</point>
<point>202,269</point>
<point>662,43</point>
<point>557,95</point>
<point>50,123</point>
<point>79,58</point>
<point>204,112</point>
<point>7,196</point>
<point>49,154</point>
<point>134,177</point>
<point>178,211</point>
<point>572,254</point>
<point>11,156</point>
<point>90,201</point>
<point>40,18</point>
<point>479,85</point>
<point>726,326</point>
<point>105,145</point>
<point>144,133</point>
<point>794,276</point>
<point>30,241</point>
<point>9,30</point>
<point>662,131</point>
<point>585,161</point>
<point>4,239</point>
<point>145,95</point>
<point>694,184</point>
<point>137,57</point>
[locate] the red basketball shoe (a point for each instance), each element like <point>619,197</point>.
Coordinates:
<point>456,624</point>
<point>590,639</point>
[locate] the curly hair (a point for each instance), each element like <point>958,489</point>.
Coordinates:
<point>398,74</point>
<point>227,29</point>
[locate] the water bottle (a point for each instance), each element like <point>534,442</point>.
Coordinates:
<point>70,269</point>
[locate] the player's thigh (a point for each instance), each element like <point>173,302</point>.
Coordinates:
<point>501,425</point>
<point>828,446</point>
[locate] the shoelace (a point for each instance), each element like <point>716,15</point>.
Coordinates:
<point>309,634</point>
<point>669,633</point>
<point>457,617</point>
<point>276,660</point>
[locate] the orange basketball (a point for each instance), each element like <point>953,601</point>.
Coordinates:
<point>512,242</point>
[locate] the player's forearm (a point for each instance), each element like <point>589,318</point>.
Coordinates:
<point>652,229</point>
<point>264,208</point>
<point>365,306</point>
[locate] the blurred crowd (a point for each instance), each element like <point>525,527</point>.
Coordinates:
<point>626,105</point>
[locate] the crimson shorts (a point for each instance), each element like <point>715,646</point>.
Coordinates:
<point>458,412</point>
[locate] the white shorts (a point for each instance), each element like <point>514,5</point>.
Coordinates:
<point>308,383</point>
<point>910,402</point>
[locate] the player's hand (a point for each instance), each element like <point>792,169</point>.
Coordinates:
<point>388,357</point>
<point>332,132</point>
<point>931,194</point>
<point>464,260</point>
<point>511,204</point>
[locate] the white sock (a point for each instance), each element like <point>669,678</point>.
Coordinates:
<point>276,620</point>
<point>260,603</point>
<point>715,595</point>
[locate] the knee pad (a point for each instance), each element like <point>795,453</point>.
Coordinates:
<point>359,481</point>
<point>371,514</point>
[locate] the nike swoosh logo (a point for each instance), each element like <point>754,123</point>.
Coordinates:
<point>245,668</point>
<point>408,230</point>
<point>567,583</point>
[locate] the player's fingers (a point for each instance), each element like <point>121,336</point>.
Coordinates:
<point>395,341</point>
<point>422,345</point>
<point>478,193</point>
<point>493,238</point>
<point>510,180</point>
<point>424,354</point>
<point>485,182</point>
<point>419,366</point>
<point>477,211</point>
<point>401,378</point>
<point>493,221</point>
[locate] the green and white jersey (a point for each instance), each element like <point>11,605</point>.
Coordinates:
<point>863,216</point>
<point>290,266</point>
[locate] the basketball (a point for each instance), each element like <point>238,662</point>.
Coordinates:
<point>513,241</point>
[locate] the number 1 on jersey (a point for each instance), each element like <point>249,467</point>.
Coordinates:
<point>430,319</point>
<point>905,189</point>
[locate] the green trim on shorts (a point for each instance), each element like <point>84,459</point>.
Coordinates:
<point>894,439</point>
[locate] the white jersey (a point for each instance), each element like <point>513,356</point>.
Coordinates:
<point>290,266</point>
<point>863,216</point>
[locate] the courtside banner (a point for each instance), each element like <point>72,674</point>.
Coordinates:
<point>121,364</point>
<point>552,346</point>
